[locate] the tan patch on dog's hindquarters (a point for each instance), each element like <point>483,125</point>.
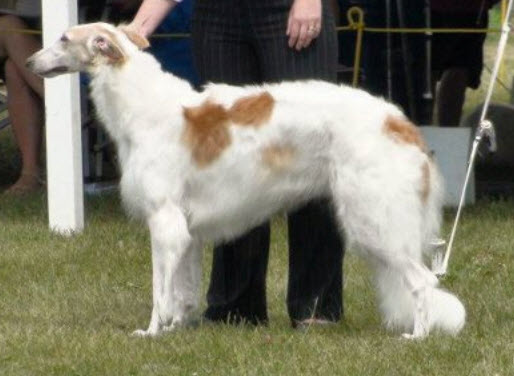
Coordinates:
<point>278,157</point>
<point>252,110</point>
<point>206,132</point>
<point>425,182</point>
<point>404,131</point>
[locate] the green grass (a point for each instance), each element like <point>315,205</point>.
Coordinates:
<point>67,306</point>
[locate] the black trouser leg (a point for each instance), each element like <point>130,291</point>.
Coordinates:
<point>315,264</point>
<point>237,291</point>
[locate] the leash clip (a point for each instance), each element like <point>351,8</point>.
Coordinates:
<point>487,129</point>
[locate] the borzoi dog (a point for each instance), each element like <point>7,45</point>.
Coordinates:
<point>208,166</point>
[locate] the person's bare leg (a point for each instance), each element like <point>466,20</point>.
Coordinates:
<point>18,47</point>
<point>450,96</point>
<point>26,115</point>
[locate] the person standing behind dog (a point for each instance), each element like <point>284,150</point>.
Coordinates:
<point>457,58</point>
<point>250,42</point>
<point>24,89</point>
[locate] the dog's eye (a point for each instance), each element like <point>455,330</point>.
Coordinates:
<point>64,38</point>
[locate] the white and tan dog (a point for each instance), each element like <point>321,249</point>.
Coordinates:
<point>207,166</point>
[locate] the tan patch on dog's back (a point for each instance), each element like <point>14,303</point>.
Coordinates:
<point>206,132</point>
<point>425,182</point>
<point>252,110</point>
<point>278,157</point>
<point>404,131</point>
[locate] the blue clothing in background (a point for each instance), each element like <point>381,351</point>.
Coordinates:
<point>175,54</point>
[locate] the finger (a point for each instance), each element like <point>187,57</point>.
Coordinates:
<point>307,42</point>
<point>312,33</point>
<point>318,25</point>
<point>294,33</point>
<point>303,37</point>
<point>289,23</point>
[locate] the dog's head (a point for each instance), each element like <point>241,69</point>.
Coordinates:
<point>84,47</point>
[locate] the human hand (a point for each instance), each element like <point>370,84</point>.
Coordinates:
<point>150,15</point>
<point>304,23</point>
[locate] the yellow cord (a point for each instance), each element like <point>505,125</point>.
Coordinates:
<point>355,17</point>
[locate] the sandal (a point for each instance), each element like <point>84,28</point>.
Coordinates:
<point>27,183</point>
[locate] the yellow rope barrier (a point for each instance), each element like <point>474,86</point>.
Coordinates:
<point>423,30</point>
<point>353,25</point>
<point>21,31</point>
<point>171,35</point>
<point>355,17</point>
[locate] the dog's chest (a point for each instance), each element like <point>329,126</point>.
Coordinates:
<point>133,192</point>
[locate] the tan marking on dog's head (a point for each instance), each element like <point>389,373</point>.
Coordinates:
<point>252,110</point>
<point>140,41</point>
<point>425,182</point>
<point>81,33</point>
<point>278,157</point>
<point>83,48</point>
<point>206,132</point>
<point>110,47</point>
<point>100,40</point>
<point>404,131</point>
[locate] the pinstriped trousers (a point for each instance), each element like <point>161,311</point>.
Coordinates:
<point>244,42</point>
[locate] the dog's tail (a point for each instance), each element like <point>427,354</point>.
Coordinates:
<point>398,305</point>
<point>397,297</point>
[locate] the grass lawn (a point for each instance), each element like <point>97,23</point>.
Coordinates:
<point>68,305</point>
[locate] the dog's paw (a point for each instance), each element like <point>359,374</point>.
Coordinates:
<point>176,325</point>
<point>412,337</point>
<point>169,328</point>
<point>419,332</point>
<point>140,333</point>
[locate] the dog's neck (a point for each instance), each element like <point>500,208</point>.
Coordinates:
<point>128,92</point>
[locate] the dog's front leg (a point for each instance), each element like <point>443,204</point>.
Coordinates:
<point>170,242</point>
<point>186,286</point>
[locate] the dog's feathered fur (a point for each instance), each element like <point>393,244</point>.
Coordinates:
<point>207,166</point>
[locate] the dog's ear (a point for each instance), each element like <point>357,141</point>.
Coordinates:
<point>109,49</point>
<point>140,41</point>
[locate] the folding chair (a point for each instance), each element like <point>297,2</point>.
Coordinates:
<point>4,114</point>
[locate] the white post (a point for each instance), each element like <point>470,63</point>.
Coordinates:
<point>63,136</point>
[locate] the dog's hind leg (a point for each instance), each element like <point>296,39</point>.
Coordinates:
<point>385,224</point>
<point>171,241</point>
<point>405,289</point>
<point>420,282</point>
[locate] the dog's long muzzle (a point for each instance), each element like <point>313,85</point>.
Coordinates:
<point>40,66</point>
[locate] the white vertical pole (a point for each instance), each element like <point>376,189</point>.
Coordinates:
<point>63,136</point>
